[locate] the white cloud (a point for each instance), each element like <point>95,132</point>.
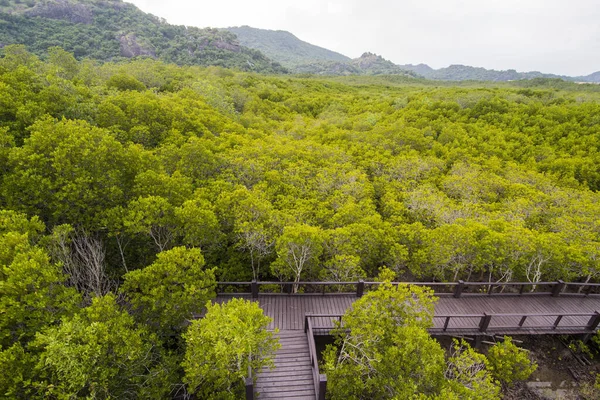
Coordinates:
<point>554,36</point>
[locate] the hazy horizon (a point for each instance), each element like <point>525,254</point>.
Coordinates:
<point>550,36</point>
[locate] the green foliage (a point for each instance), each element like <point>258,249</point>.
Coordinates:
<point>591,390</point>
<point>384,351</point>
<point>32,294</point>
<point>469,375</point>
<point>298,250</point>
<point>165,295</point>
<point>221,346</point>
<point>100,353</point>
<point>16,381</point>
<point>508,363</point>
<point>64,63</point>
<point>125,82</point>
<point>67,171</point>
<point>465,72</point>
<point>281,178</point>
<point>115,30</point>
<point>466,182</point>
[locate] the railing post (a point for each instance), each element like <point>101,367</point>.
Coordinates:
<point>249,389</point>
<point>305,323</point>
<point>254,289</point>
<point>558,288</point>
<point>558,319</point>
<point>459,289</point>
<point>594,321</point>
<point>249,380</point>
<point>287,288</point>
<point>522,321</point>
<point>446,323</point>
<point>485,322</point>
<point>322,386</point>
<point>360,288</point>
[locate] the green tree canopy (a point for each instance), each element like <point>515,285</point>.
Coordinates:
<point>221,346</point>
<point>166,294</point>
<point>384,351</point>
<point>100,353</point>
<point>68,172</point>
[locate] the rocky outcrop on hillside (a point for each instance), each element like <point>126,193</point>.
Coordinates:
<point>63,10</point>
<point>130,47</point>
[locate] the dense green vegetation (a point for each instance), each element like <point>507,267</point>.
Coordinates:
<point>128,189</point>
<point>384,351</point>
<point>112,30</point>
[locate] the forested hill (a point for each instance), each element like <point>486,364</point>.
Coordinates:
<point>367,64</point>
<point>112,30</point>
<point>284,47</point>
<point>302,57</point>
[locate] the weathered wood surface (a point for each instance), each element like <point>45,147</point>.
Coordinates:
<point>292,377</point>
<point>288,311</point>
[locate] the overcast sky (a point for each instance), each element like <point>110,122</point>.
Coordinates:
<point>553,36</point>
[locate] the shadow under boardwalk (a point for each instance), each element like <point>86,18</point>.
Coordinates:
<point>292,376</point>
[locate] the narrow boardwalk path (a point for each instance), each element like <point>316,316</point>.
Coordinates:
<point>292,376</point>
<point>288,311</point>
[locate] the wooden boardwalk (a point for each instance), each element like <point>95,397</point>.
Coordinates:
<point>296,373</point>
<point>292,377</point>
<point>288,312</point>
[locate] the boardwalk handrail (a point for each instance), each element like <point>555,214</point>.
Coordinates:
<point>457,289</point>
<point>483,322</point>
<point>319,380</point>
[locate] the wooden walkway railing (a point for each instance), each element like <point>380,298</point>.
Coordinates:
<point>514,323</point>
<point>455,289</point>
<point>320,380</point>
<point>482,324</point>
<point>507,323</point>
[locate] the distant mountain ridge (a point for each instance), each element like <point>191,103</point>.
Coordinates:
<point>595,78</point>
<point>367,64</point>
<point>111,30</point>
<point>302,57</point>
<point>465,72</point>
<point>284,47</point>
